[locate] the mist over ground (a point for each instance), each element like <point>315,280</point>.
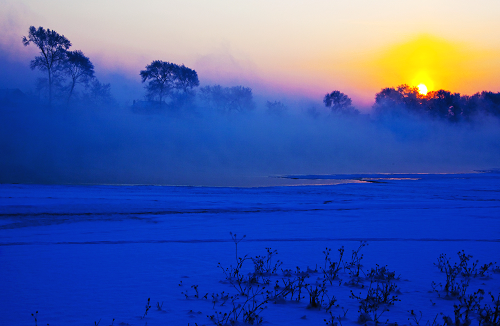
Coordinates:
<point>197,144</point>
<point>113,145</point>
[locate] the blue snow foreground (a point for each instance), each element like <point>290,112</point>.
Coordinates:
<point>79,254</point>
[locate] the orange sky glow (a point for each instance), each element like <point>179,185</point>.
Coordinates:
<point>423,59</point>
<point>296,47</point>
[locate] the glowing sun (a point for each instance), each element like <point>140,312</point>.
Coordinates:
<point>422,89</point>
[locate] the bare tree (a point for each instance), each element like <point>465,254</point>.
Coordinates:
<point>98,94</point>
<point>276,108</point>
<point>339,103</point>
<point>165,77</point>
<point>227,99</point>
<point>79,69</point>
<point>187,79</point>
<point>161,77</point>
<point>53,48</point>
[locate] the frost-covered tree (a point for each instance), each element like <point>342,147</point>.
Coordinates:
<point>53,49</point>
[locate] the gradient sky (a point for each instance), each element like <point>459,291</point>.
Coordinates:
<point>290,47</point>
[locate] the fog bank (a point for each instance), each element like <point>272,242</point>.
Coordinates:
<point>116,146</point>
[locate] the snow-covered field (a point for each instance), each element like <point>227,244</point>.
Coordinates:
<point>83,254</point>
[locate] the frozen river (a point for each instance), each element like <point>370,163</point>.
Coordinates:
<point>78,254</point>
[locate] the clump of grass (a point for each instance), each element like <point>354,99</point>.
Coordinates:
<point>222,297</point>
<point>252,295</point>
<point>291,288</point>
<point>263,265</point>
<point>332,269</point>
<point>333,320</point>
<point>319,297</point>
<point>379,297</point>
<point>382,274</point>
<point>489,314</point>
<point>148,306</point>
<point>258,286</point>
<point>236,241</point>
<point>417,319</point>
<point>465,268</point>
<point>35,315</point>
<point>467,305</point>
<point>315,295</point>
<point>254,289</point>
<point>187,294</point>
<point>451,286</point>
<point>354,267</point>
<point>471,270</point>
<point>458,278</point>
<point>247,310</point>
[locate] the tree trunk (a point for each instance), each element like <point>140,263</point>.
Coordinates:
<point>50,88</point>
<point>71,91</point>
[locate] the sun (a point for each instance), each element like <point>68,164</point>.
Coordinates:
<point>422,89</point>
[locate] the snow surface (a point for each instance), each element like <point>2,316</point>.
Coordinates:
<point>80,254</point>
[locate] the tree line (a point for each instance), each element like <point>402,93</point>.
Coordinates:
<point>441,104</point>
<point>64,69</point>
<point>169,85</point>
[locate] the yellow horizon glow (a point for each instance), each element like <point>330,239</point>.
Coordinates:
<point>435,62</point>
<point>428,60</point>
<point>293,46</point>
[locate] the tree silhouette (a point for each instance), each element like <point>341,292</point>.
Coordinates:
<point>490,102</point>
<point>444,104</point>
<point>79,69</point>
<point>161,76</point>
<point>165,77</point>
<point>339,103</point>
<point>276,107</point>
<point>53,48</point>
<point>187,79</point>
<point>437,104</point>
<point>227,99</point>
<point>241,98</point>
<point>98,93</point>
<point>393,100</point>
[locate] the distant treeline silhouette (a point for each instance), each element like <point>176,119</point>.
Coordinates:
<point>170,86</point>
<point>440,104</point>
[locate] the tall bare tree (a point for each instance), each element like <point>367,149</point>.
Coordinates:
<point>53,48</point>
<point>79,69</point>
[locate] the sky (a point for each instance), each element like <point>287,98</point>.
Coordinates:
<point>293,47</point>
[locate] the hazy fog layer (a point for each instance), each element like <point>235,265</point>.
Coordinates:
<point>114,145</point>
<point>199,146</point>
